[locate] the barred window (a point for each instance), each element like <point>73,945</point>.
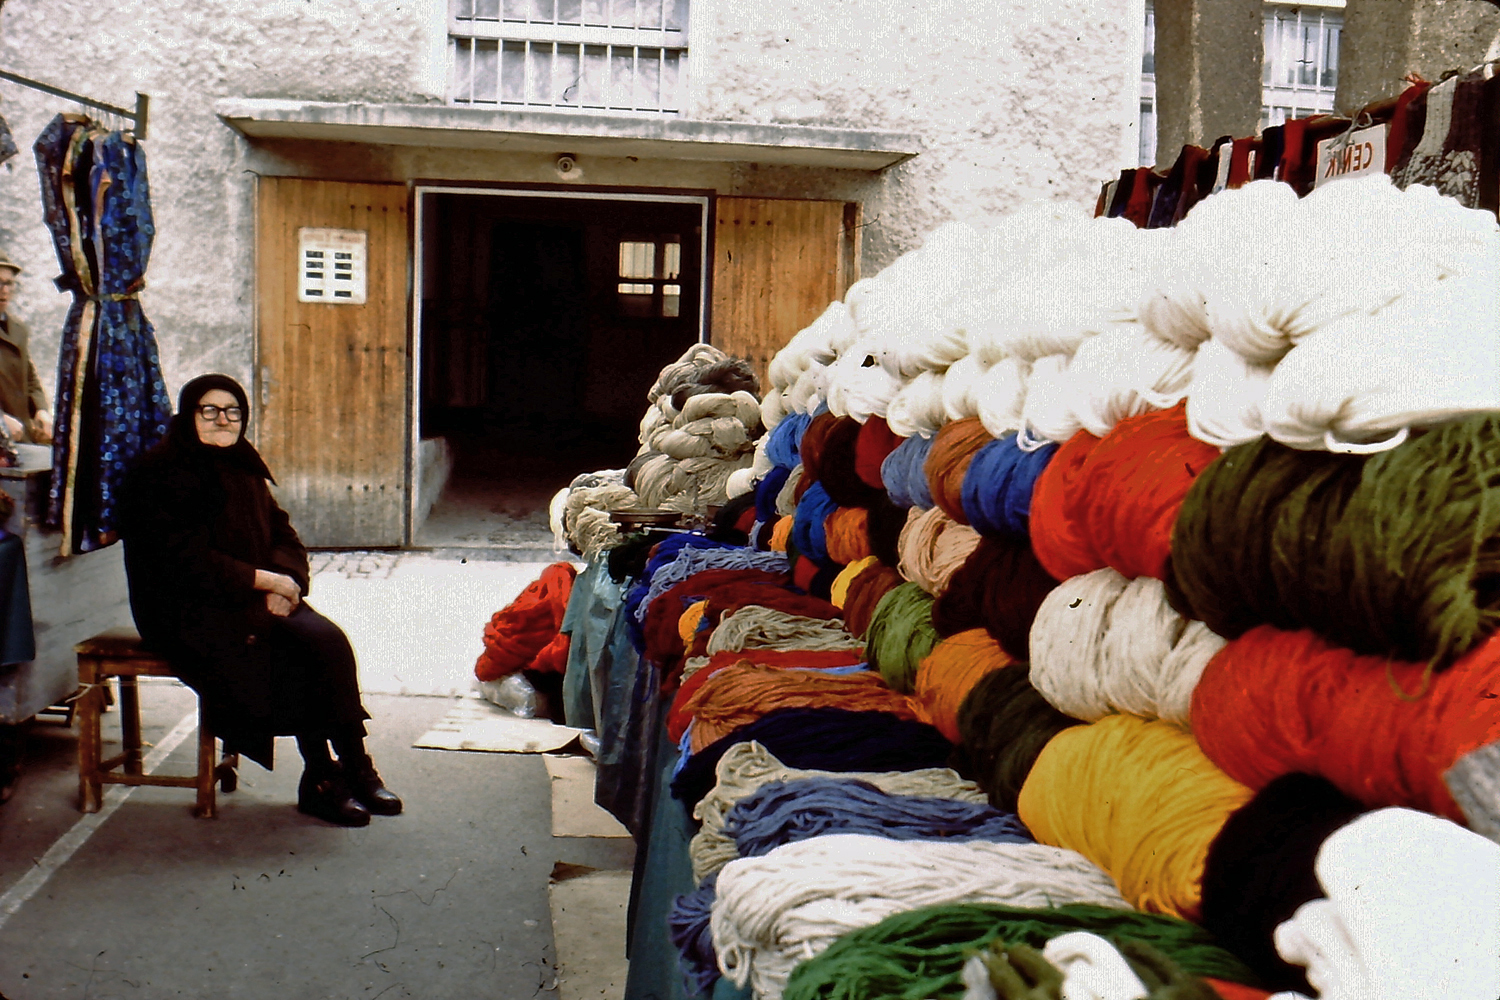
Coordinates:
<point>1299,67</point>
<point>583,55</point>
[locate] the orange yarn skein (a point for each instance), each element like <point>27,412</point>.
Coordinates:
<point>950,672</point>
<point>952,450</point>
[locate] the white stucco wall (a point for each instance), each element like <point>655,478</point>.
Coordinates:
<point>1015,100</point>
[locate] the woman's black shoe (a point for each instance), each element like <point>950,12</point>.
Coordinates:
<point>327,796</point>
<point>368,787</point>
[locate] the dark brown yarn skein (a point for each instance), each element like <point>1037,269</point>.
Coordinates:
<point>838,468</point>
<point>1004,724</point>
<point>999,589</point>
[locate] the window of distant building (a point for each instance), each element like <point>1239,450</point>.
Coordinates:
<point>570,55</point>
<point>650,276</point>
<point>1299,66</point>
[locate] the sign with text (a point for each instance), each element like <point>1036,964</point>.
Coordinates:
<point>1353,154</point>
<point>331,265</point>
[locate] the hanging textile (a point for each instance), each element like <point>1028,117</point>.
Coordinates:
<point>111,401</point>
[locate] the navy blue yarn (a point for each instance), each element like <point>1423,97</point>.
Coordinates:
<point>822,739</point>
<point>903,474</point>
<point>666,551</point>
<point>766,492</point>
<point>784,445</point>
<point>784,812</point>
<point>808,533</point>
<point>998,485</point>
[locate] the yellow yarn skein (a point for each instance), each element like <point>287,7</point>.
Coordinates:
<point>839,591</point>
<point>687,625</point>
<point>1137,798</point>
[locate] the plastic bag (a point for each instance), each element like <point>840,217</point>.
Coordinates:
<point>514,693</point>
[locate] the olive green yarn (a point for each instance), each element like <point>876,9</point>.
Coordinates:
<point>1395,554</point>
<point>901,635</point>
<point>920,954</point>
<point>1003,724</point>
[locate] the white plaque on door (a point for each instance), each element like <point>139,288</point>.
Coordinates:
<point>331,265</point>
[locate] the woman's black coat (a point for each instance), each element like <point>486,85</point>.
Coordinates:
<point>197,522</point>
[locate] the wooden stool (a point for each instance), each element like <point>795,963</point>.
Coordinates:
<point>118,653</point>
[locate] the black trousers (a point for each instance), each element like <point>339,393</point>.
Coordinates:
<point>316,676</point>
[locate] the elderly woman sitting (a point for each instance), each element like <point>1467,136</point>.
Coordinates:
<point>217,579</point>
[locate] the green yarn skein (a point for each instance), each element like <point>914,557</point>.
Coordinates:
<point>900,636</point>
<point>920,953</point>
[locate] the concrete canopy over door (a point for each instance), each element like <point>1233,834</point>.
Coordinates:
<point>778,263</point>
<point>331,380</point>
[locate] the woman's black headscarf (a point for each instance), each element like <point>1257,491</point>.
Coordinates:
<point>182,433</point>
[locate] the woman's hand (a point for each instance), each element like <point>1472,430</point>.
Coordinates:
<point>278,585</point>
<point>279,606</point>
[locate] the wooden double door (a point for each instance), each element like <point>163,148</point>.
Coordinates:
<point>333,381</point>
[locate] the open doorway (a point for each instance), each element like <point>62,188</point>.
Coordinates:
<point>543,320</point>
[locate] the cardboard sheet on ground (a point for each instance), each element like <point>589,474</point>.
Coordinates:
<point>475,724</point>
<point>574,812</point>
<point>588,929</point>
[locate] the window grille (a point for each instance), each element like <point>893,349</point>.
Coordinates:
<point>584,55</point>
<point>1299,68</point>
<point>650,276</point>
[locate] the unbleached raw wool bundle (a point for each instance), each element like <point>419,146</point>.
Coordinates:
<point>919,406</point>
<point>756,627</point>
<point>703,368</point>
<point>1103,644</point>
<point>933,548</point>
<point>745,767</point>
<point>786,500</point>
<point>773,912</point>
<point>586,519</point>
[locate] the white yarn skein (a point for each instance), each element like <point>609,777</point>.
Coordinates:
<point>918,407</point>
<point>960,387</point>
<point>746,767</point>
<point>1378,934</point>
<point>977,985</point>
<point>1225,396</point>
<point>1358,384</point>
<point>857,389</point>
<point>813,344</point>
<point>1000,395</point>
<point>773,912</point>
<point>806,395</point>
<point>756,627</point>
<point>1125,372</point>
<point>1050,410</point>
<point>1102,645</point>
<point>1093,968</point>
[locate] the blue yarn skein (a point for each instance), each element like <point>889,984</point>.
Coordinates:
<point>998,485</point>
<point>688,927</point>
<point>766,492</point>
<point>903,473</point>
<point>783,812</point>
<point>808,533</point>
<point>784,445</point>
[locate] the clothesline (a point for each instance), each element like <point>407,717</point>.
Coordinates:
<point>138,117</point>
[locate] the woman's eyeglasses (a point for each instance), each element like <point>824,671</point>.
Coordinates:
<point>210,413</point>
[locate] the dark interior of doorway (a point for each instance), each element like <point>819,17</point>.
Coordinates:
<point>545,321</point>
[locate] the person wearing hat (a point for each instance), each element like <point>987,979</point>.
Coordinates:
<point>22,398</point>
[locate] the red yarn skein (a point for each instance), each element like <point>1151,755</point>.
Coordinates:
<point>876,441</point>
<point>1274,702</point>
<point>1133,483</point>
<point>525,632</point>
<point>1059,536</point>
